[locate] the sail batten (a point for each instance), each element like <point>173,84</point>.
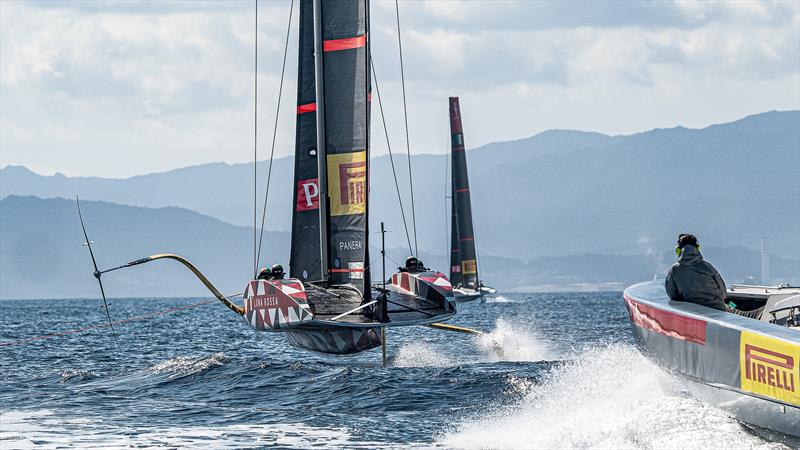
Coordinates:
<point>463,257</point>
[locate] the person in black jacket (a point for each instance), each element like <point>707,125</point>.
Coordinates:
<point>693,279</point>
<point>277,272</point>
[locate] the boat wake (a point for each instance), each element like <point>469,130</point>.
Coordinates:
<point>604,397</point>
<point>508,341</point>
<point>498,299</point>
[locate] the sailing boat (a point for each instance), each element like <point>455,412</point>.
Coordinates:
<point>328,304</point>
<point>463,256</point>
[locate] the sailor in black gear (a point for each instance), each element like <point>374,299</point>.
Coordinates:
<point>413,265</point>
<point>693,279</point>
<point>410,265</point>
<point>264,274</point>
<point>277,272</point>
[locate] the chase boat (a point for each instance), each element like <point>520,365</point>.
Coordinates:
<point>745,361</point>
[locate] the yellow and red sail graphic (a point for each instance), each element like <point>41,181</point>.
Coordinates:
<point>770,367</point>
<point>347,183</point>
<point>469,266</point>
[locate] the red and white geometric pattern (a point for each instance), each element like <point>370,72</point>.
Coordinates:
<point>417,283</point>
<point>276,305</point>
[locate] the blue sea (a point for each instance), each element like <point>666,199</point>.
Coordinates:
<point>566,375</point>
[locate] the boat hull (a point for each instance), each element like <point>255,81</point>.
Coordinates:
<point>286,306</point>
<point>336,341</point>
<point>463,295</point>
<point>487,290</point>
<point>743,366</point>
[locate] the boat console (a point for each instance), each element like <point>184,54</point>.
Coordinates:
<point>779,305</point>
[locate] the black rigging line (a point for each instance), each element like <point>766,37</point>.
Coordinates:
<point>255,145</point>
<point>274,133</point>
<point>97,274</point>
<point>391,158</point>
<point>447,218</point>
<point>405,115</point>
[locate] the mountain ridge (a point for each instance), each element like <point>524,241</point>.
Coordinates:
<point>41,255</point>
<point>730,183</point>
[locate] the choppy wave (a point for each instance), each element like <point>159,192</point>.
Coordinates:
<point>607,397</point>
<point>77,375</point>
<point>422,354</point>
<point>44,429</point>
<point>182,366</point>
<point>543,376</point>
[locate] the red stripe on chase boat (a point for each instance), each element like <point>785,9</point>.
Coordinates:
<point>333,45</point>
<point>666,322</point>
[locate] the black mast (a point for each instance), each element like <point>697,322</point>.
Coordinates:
<point>321,150</point>
<point>306,251</point>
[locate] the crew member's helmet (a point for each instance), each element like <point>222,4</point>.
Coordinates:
<point>411,263</point>
<point>264,273</point>
<point>277,271</point>
<point>684,240</point>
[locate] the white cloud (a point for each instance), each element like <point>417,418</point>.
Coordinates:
<point>117,88</point>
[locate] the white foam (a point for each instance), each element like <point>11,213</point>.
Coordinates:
<point>185,365</point>
<point>609,397</point>
<point>513,341</point>
<point>498,299</point>
<point>43,429</point>
<point>68,375</point>
<point>421,354</point>
<point>509,341</point>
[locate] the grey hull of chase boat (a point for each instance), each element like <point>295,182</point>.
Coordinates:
<point>744,366</point>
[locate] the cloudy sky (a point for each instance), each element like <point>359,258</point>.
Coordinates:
<point>122,88</point>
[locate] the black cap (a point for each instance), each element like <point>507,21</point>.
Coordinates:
<point>687,239</point>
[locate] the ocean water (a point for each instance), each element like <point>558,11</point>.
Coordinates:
<point>566,375</point>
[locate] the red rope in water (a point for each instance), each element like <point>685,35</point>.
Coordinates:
<point>105,325</point>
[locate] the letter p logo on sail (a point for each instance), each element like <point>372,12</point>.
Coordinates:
<point>307,194</point>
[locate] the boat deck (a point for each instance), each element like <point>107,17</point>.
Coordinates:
<point>329,305</point>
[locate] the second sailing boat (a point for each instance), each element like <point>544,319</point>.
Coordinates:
<point>463,255</point>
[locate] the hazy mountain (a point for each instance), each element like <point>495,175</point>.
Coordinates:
<point>557,193</point>
<point>41,255</point>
